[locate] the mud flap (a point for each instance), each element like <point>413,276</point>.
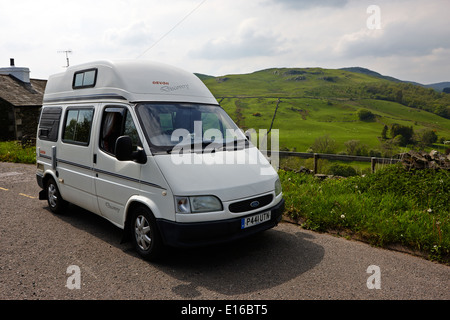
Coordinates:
<point>42,195</point>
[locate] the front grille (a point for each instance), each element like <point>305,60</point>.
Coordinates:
<point>243,206</point>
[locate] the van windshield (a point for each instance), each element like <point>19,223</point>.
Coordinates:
<point>171,125</point>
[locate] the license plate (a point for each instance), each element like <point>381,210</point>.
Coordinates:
<point>254,220</point>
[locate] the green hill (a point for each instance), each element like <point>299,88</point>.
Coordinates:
<point>316,102</point>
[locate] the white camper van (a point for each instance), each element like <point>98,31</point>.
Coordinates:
<point>148,147</point>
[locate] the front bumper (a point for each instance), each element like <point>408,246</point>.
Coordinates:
<point>213,232</point>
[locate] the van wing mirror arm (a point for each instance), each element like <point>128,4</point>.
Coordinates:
<point>139,156</point>
<point>124,151</point>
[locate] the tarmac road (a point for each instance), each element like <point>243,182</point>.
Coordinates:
<point>42,256</point>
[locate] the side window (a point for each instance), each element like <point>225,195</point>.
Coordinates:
<point>49,123</point>
<point>116,122</point>
<point>84,79</point>
<point>131,131</point>
<point>77,127</point>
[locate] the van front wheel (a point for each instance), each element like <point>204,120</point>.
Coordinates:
<point>54,199</point>
<point>145,234</point>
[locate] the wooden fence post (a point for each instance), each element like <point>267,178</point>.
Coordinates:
<point>316,159</point>
<point>316,156</point>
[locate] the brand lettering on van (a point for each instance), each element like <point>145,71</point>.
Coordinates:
<point>175,88</point>
<point>165,83</point>
<point>109,206</point>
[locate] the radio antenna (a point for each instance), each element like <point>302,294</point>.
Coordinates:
<point>67,56</point>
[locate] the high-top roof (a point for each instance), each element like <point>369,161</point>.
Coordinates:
<point>128,80</point>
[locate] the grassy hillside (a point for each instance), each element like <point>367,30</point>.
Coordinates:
<point>317,102</point>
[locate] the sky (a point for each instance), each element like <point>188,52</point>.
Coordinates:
<point>405,39</point>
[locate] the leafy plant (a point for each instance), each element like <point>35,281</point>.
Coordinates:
<point>342,170</point>
<point>324,144</point>
<point>13,151</point>
<point>392,205</point>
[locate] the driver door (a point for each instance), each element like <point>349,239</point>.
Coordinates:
<point>116,181</point>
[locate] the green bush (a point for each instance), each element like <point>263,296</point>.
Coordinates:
<point>13,151</point>
<point>365,115</point>
<point>342,170</point>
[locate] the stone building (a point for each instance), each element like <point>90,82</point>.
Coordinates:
<point>20,102</point>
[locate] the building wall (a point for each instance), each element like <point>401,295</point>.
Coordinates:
<point>7,123</point>
<point>27,119</point>
<point>18,122</point>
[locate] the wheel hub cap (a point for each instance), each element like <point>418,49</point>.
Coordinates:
<point>142,233</point>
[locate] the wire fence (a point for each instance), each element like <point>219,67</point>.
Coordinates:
<point>316,156</point>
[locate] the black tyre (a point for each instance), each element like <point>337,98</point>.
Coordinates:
<point>54,199</point>
<point>145,234</point>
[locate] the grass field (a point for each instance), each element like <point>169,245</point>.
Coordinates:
<point>301,121</point>
<point>317,102</point>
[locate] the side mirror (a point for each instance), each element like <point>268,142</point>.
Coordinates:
<point>124,151</point>
<point>124,148</point>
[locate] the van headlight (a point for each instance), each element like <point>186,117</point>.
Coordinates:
<point>197,204</point>
<point>277,187</point>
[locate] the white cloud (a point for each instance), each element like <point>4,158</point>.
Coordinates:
<point>222,36</point>
<point>136,35</point>
<point>247,41</point>
<point>426,69</point>
<point>409,37</point>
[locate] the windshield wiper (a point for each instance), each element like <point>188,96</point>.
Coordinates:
<point>198,147</point>
<point>210,146</point>
<point>235,145</point>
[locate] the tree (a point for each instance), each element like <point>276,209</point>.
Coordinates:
<point>446,90</point>
<point>405,132</point>
<point>356,148</point>
<point>365,115</point>
<point>324,144</point>
<point>399,96</point>
<point>443,111</point>
<point>427,137</point>
<point>388,148</point>
<point>399,140</point>
<point>384,132</point>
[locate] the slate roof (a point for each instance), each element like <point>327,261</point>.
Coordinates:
<point>19,93</point>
